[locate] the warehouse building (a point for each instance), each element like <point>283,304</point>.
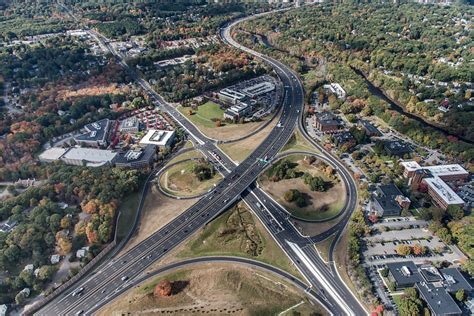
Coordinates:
<point>90,157</point>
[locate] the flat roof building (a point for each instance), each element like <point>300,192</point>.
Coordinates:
<point>231,96</point>
<point>95,135</point>
<point>403,274</point>
<point>159,138</point>
<point>52,154</point>
<point>396,148</point>
<point>454,280</point>
<point>441,193</point>
<point>438,300</point>
<point>91,157</point>
<point>130,125</point>
<point>237,111</point>
<point>259,89</point>
<point>326,122</point>
<point>452,172</point>
<point>388,200</point>
<point>137,158</point>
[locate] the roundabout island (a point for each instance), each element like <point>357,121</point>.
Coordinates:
<point>188,178</point>
<point>308,188</point>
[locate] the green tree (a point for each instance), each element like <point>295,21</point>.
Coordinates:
<point>460,295</point>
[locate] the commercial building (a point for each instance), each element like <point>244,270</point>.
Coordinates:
<point>259,89</point>
<point>52,154</point>
<point>403,274</point>
<point>344,139</point>
<point>237,111</point>
<point>435,287</point>
<point>448,173</point>
<point>160,138</point>
<point>137,157</point>
<point>438,300</point>
<point>130,125</point>
<point>326,122</point>
<point>231,96</point>
<point>95,135</point>
<point>441,193</point>
<point>388,200</point>
<point>397,148</point>
<point>90,157</point>
<point>369,129</point>
<point>336,89</point>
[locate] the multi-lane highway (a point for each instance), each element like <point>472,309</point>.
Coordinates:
<point>112,278</point>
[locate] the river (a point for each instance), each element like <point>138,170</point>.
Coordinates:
<point>398,108</point>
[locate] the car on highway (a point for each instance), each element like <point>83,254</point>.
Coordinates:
<point>124,278</point>
<point>78,291</point>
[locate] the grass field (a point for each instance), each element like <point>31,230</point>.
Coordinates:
<point>323,247</point>
<point>204,114</point>
<point>238,233</point>
<point>180,180</point>
<point>298,143</point>
<point>128,210</point>
<point>217,289</point>
<point>203,119</point>
<point>321,205</point>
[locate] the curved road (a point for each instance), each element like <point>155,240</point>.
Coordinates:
<point>313,295</point>
<point>112,278</point>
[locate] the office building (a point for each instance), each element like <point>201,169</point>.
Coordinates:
<point>231,96</point>
<point>326,122</point>
<point>137,157</point>
<point>160,138</point>
<point>388,200</point>
<point>441,193</point>
<point>95,135</point>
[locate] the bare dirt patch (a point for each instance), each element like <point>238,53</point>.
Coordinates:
<point>213,289</point>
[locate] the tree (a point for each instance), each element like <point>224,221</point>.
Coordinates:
<point>460,295</point>
<point>218,123</point>
<point>46,273</point>
<point>64,245</point>
<point>419,250</point>
<point>410,304</point>
<point>403,250</point>
<point>455,212</point>
<point>163,288</point>
<point>20,298</point>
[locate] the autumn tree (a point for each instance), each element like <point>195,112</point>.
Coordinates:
<point>403,250</point>
<point>163,288</point>
<point>419,250</point>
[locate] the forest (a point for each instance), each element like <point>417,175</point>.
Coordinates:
<point>45,228</point>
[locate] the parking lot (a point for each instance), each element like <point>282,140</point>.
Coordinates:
<point>381,247</point>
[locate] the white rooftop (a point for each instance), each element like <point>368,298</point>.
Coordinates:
<point>445,170</point>
<point>444,191</point>
<point>410,165</point>
<point>53,153</point>
<point>157,137</point>
<point>440,170</point>
<point>90,154</point>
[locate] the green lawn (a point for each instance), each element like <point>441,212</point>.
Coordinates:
<point>128,209</point>
<point>298,143</point>
<point>180,180</point>
<point>204,115</point>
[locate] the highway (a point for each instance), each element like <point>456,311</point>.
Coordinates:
<point>113,277</point>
